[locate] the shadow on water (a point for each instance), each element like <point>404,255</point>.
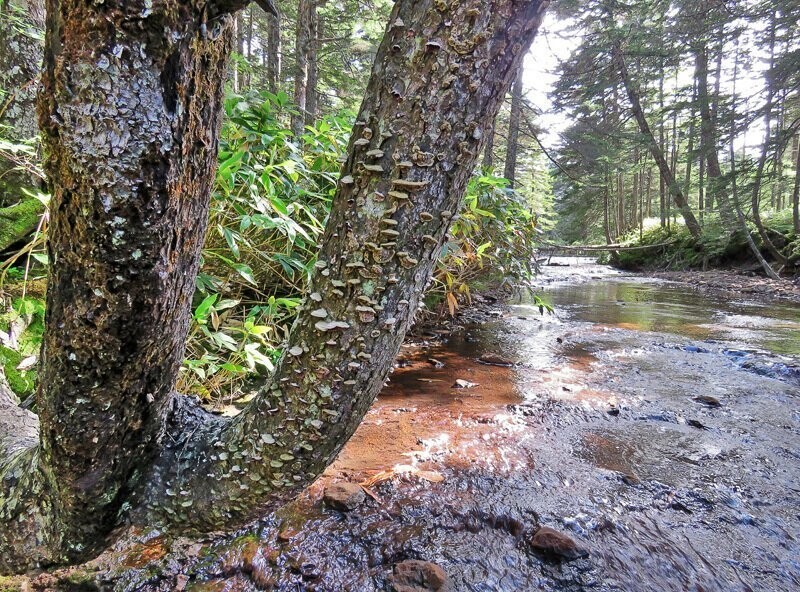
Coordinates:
<point>626,423</point>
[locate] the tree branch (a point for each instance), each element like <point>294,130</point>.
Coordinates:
<point>221,7</point>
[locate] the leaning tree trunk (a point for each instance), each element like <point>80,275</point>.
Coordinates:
<point>130,128</point>
<point>439,78</point>
<point>21,49</point>
<point>735,194</point>
<point>655,150</point>
<point>512,146</point>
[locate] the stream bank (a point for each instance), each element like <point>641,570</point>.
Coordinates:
<point>654,426</point>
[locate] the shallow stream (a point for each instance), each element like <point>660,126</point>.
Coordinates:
<point>657,427</point>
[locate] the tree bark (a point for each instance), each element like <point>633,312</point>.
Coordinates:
<point>510,167</point>
<point>131,131</point>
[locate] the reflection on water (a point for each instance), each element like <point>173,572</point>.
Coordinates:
<point>671,308</point>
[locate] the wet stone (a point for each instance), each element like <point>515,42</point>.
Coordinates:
<point>460,383</point>
<point>708,401</point>
<point>418,576</point>
<point>493,359</point>
<point>556,545</point>
<point>344,496</point>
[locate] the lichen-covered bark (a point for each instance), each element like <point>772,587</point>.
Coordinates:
<point>440,75</point>
<point>21,25</point>
<point>130,112</point>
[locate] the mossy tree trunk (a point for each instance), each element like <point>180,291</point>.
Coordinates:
<point>130,117</point>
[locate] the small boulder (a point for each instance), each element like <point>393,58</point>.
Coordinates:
<point>344,496</point>
<point>495,360</point>
<point>460,383</point>
<point>556,545</point>
<point>414,575</point>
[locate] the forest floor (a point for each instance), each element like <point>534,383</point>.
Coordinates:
<point>736,283</point>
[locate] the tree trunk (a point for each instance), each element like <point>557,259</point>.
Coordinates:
<point>662,142</point>
<point>130,199</point>
<point>715,185</point>
<point>687,181</point>
<point>488,151</point>
<point>796,190</point>
<point>732,155</point>
<point>302,41</point>
<point>312,96</point>
<point>130,138</point>
<point>273,53</point>
<point>21,49</point>
<point>510,168</point>
<point>655,150</point>
<point>755,196</point>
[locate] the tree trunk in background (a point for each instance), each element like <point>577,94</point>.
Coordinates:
<point>755,198</point>
<point>273,53</point>
<point>796,190</point>
<point>620,204</point>
<point>488,151</point>
<point>715,184</point>
<point>732,156</point>
<point>662,142</point>
<point>312,96</point>
<point>687,182</point>
<point>655,150</point>
<point>248,41</point>
<point>21,21</point>
<point>510,168</point>
<point>305,9</point>
<point>633,220</point>
<point>130,200</point>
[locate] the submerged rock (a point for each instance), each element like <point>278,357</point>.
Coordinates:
<point>344,496</point>
<point>556,545</point>
<point>495,360</point>
<point>418,576</point>
<point>708,400</point>
<point>460,383</point>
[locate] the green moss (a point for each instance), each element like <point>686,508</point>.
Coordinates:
<point>18,221</point>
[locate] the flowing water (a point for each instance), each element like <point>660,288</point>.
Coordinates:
<point>656,426</point>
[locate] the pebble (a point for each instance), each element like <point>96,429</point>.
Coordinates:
<point>344,496</point>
